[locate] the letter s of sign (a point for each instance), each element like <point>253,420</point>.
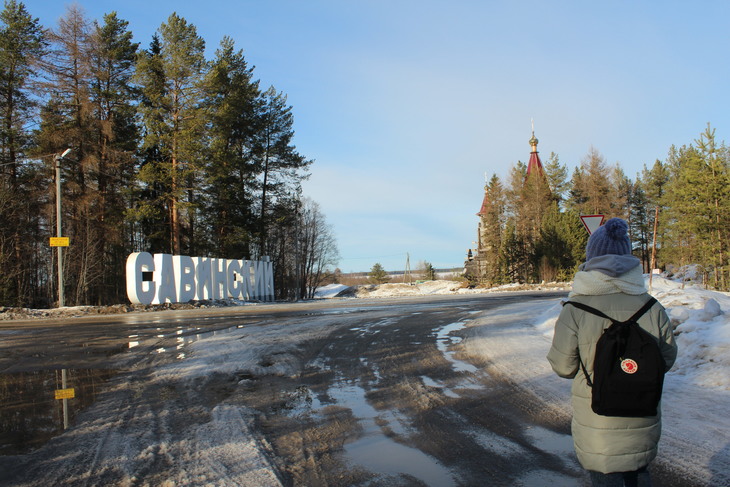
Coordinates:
<point>140,291</point>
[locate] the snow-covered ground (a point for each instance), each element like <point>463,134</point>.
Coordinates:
<point>696,436</point>
<point>395,289</point>
<point>696,424</point>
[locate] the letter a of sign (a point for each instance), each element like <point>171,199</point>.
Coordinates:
<point>591,222</point>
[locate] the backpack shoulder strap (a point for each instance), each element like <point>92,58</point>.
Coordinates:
<point>590,309</point>
<point>647,306</point>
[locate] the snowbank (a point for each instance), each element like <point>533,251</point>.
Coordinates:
<point>330,291</point>
<point>403,289</point>
<point>444,287</point>
<point>702,326</point>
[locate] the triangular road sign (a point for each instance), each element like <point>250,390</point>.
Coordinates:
<point>591,222</point>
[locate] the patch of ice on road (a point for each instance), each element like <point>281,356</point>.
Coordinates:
<point>444,340</point>
<point>429,382</point>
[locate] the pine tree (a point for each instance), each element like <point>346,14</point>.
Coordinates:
<point>113,96</point>
<point>515,255</point>
<point>684,216</point>
<point>641,222</point>
<point>22,44</point>
<point>591,192</point>
<point>577,197</point>
<point>378,275</point>
<point>619,193</point>
<point>282,167</point>
<point>231,170</point>
<point>653,183</point>
<point>150,208</point>
<point>535,199</point>
<point>557,177</point>
<point>697,200</point>
<point>171,80</point>
<point>560,247</point>
<point>490,233</point>
<point>717,200</point>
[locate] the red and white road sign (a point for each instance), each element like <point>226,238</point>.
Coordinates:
<point>592,222</point>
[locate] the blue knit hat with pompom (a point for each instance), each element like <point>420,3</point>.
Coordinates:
<point>610,238</point>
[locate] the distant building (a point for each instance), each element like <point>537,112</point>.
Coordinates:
<point>481,262</point>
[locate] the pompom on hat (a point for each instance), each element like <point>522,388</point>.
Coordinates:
<point>610,238</point>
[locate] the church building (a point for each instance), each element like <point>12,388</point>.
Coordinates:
<point>481,261</point>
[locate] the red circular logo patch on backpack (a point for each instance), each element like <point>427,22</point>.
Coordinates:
<point>629,366</point>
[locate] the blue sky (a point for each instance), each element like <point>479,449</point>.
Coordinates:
<point>405,105</point>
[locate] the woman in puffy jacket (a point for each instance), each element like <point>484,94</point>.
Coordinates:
<point>615,450</point>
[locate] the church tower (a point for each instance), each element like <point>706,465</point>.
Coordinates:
<point>535,164</point>
<point>481,260</point>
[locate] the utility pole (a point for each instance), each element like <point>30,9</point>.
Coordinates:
<point>57,160</point>
<point>653,248</point>
<point>407,273</point>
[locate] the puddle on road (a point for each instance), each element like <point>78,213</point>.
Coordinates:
<point>30,415</point>
<point>375,449</point>
<point>556,444</point>
<point>182,337</point>
<point>379,453</point>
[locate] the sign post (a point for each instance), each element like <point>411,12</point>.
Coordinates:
<point>65,394</point>
<point>59,244</point>
<point>592,222</point>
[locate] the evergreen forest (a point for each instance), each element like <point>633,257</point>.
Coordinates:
<point>159,149</point>
<point>678,210</point>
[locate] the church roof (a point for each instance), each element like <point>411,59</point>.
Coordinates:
<point>535,164</point>
<point>485,204</point>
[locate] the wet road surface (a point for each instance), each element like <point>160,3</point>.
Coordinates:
<point>382,395</point>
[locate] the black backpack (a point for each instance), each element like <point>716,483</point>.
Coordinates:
<point>628,369</point>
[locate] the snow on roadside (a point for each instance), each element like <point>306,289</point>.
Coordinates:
<point>426,288</point>
<point>330,291</point>
<point>702,324</point>
<point>696,390</point>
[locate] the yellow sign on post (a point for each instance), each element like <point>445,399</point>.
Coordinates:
<point>59,241</point>
<point>65,393</point>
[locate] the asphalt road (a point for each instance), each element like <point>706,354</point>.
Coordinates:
<point>381,396</point>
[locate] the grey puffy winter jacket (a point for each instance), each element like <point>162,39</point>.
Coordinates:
<point>607,444</point>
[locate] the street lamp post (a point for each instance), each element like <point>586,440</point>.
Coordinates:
<point>57,159</point>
